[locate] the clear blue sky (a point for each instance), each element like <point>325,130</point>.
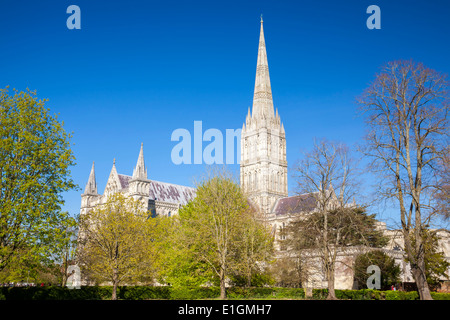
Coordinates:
<point>138,70</point>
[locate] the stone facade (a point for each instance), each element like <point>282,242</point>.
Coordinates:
<point>263,171</point>
<point>160,198</point>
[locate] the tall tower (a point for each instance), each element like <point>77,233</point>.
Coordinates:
<point>263,142</point>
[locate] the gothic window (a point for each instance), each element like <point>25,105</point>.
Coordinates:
<point>169,214</point>
<point>283,231</point>
<point>282,237</point>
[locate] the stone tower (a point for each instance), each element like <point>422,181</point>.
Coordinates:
<point>263,142</point>
<point>90,194</point>
<point>139,184</point>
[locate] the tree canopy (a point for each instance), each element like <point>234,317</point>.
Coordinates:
<point>217,236</point>
<point>35,162</point>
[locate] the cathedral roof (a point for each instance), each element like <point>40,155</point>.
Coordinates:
<point>168,192</point>
<point>124,180</point>
<point>295,204</point>
<point>163,191</point>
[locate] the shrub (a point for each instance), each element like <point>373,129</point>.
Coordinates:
<point>440,296</point>
<point>402,295</point>
<point>291,293</point>
<point>143,292</point>
<point>319,294</point>
<point>192,293</point>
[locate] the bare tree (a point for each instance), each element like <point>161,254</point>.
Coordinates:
<point>441,195</point>
<point>327,174</point>
<point>406,110</point>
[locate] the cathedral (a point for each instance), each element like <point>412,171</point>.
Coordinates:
<point>263,177</point>
<point>162,198</point>
<point>263,165</point>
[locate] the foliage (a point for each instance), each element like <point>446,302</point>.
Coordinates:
<point>217,237</point>
<point>291,272</point>
<point>171,293</point>
<point>35,161</point>
<point>346,227</point>
<point>178,265</point>
<point>255,252</point>
<point>436,265</point>
<point>390,271</point>
<point>115,242</point>
<point>327,175</point>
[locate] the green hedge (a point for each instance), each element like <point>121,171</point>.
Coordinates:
<point>265,293</point>
<point>367,294</point>
<point>149,292</point>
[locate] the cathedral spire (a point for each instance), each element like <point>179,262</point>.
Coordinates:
<point>263,172</point>
<point>262,98</point>
<point>140,172</point>
<point>91,185</point>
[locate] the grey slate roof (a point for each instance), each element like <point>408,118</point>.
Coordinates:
<point>124,180</point>
<point>295,204</point>
<point>168,192</point>
<point>163,191</point>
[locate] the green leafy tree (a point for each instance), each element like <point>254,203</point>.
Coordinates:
<point>436,265</point>
<point>116,243</point>
<point>35,161</point>
<point>64,251</point>
<point>178,265</point>
<point>216,233</point>
<point>255,252</point>
<point>390,271</point>
<point>346,227</point>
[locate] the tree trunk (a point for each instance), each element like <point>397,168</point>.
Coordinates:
<point>330,278</point>
<point>115,284</point>
<point>421,282</point>
<point>249,276</point>
<point>223,292</point>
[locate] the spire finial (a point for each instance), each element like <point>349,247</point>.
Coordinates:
<point>140,172</point>
<point>91,185</point>
<point>262,97</point>
<point>261,18</point>
<point>114,162</point>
